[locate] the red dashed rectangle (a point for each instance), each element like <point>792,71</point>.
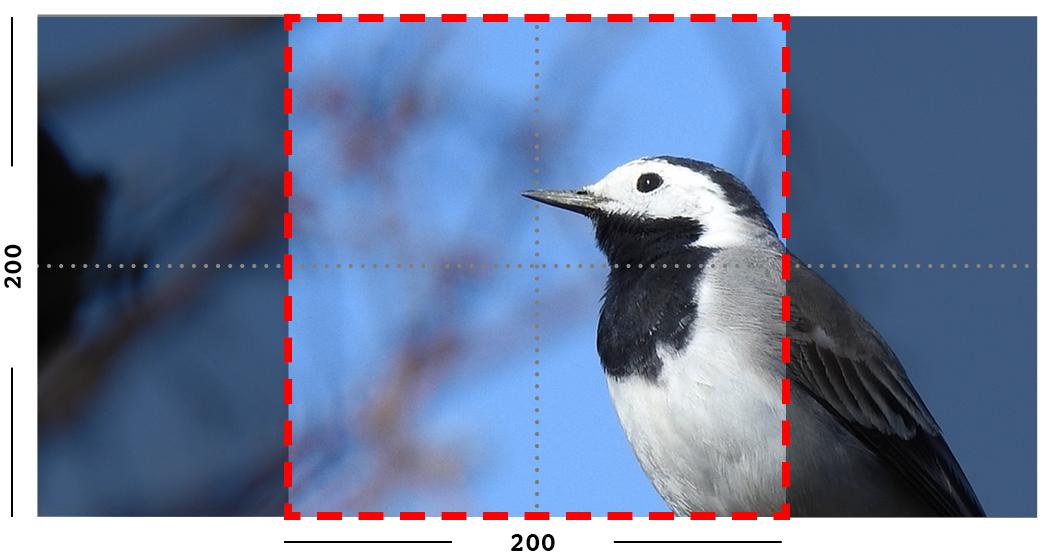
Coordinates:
<point>785,225</point>
<point>786,349</point>
<point>784,19</point>
<point>291,18</point>
<point>786,266</point>
<point>786,391</point>
<point>703,18</point>
<point>786,308</point>
<point>570,18</point>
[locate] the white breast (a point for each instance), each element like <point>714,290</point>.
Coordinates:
<point>708,432</point>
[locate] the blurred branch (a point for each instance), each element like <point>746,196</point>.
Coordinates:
<point>153,56</point>
<point>75,371</point>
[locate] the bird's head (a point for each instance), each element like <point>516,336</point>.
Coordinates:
<point>652,196</point>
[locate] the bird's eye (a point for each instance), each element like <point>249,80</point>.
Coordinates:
<point>648,182</point>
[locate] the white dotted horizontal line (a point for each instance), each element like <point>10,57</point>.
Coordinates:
<point>920,266</point>
<point>532,266</point>
<point>156,266</point>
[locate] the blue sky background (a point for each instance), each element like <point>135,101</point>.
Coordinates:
<point>414,388</point>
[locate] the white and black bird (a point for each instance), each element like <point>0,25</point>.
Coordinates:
<point>690,338</point>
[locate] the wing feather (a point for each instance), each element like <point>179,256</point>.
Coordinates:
<point>841,361</point>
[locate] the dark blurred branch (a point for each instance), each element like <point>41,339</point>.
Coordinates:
<point>76,369</point>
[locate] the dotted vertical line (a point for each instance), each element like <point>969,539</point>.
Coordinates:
<point>537,289</point>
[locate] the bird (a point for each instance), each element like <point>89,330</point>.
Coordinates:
<point>690,340</point>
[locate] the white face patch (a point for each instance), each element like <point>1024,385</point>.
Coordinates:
<point>683,192</point>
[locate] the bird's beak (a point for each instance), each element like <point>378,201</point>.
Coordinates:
<point>579,201</point>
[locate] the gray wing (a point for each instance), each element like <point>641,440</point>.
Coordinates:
<point>841,361</point>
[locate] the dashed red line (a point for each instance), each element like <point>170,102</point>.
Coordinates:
<point>660,515</point>
<point>495,18</point>
<point>454,18</point>
<point>743,18</point>
<point>330,18</point>
<point>579,18</point>
<point>411,515</point>
<point>704,515</point>
<point>370,515</point>
<point>620,515</point>
<point>703,18</point>
<point>535,18</point>
<point>536,515</point>
<point>330,515</point>
<point>288,391</point>
<point>411,18</point>
<point>620,18</point>
<point>370,18</point>
<point>785,225</point>
<point>785,432</point>
<point>454,515</point>
<point>493,515</point>
<point>744,515</point>
<point>786,183</point>
<point>579,515</point>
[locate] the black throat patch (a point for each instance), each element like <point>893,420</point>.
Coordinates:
<point>645,307</point>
